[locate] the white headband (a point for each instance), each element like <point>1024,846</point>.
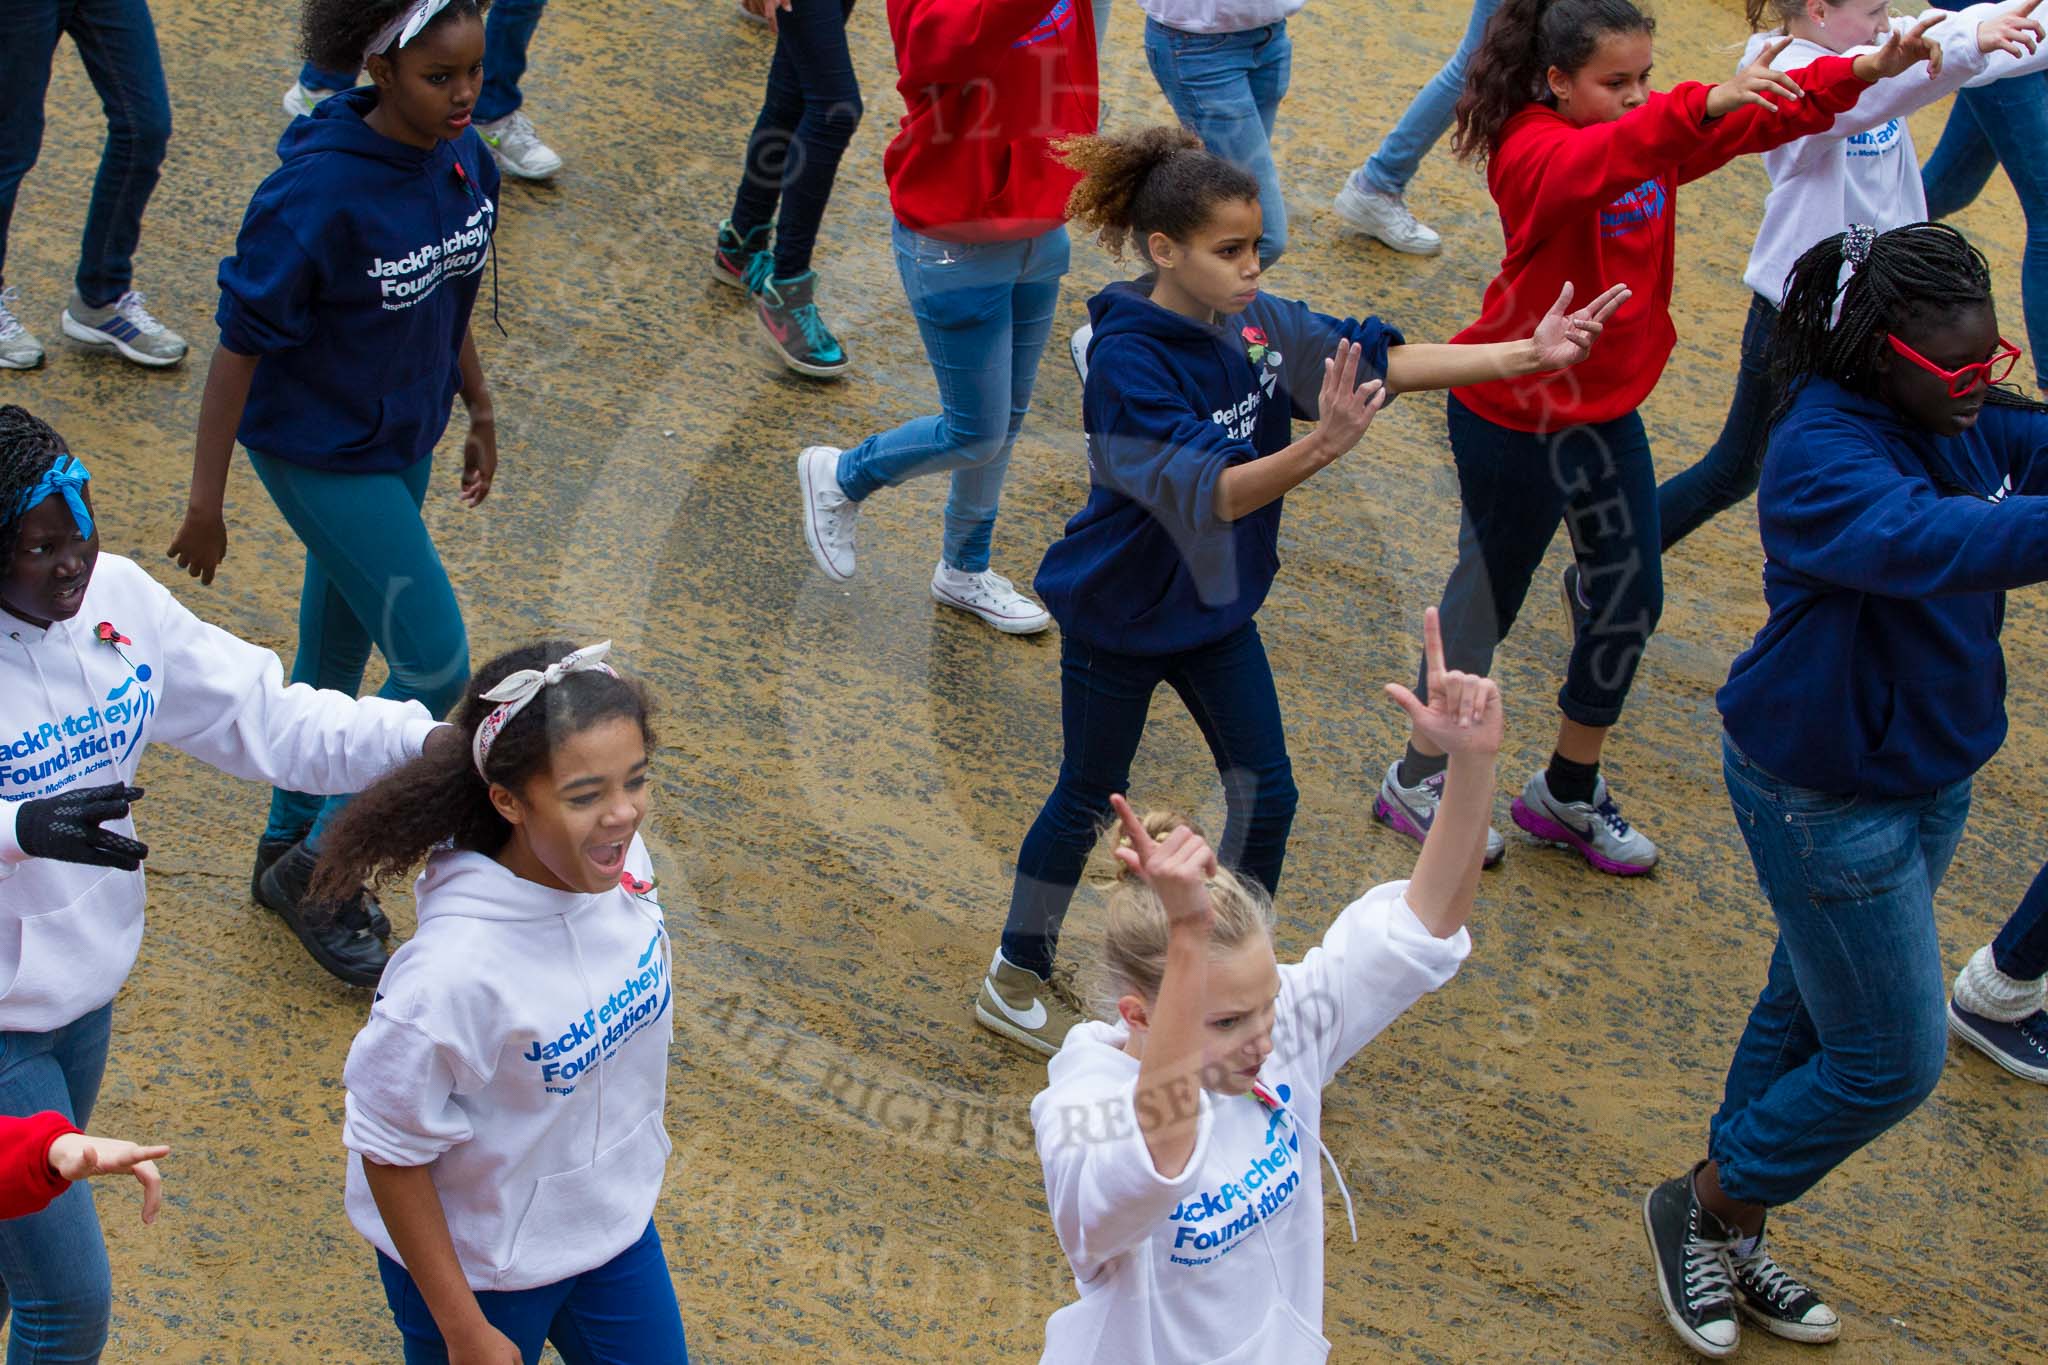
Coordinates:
<point>405,27</point>
<point>516,691</point>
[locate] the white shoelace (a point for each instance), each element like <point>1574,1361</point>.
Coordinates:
<point>1768,1278</point>
<point>518,135</point>
<point>988,588</point>
<point>129,306</point>
<point>1706,1274</point>
<point>10,325</point>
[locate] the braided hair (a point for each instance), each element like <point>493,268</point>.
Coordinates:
<point>28,447</point>
<point>333,33</point>
<point>1921,269</point>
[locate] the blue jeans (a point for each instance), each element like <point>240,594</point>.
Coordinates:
<point>1227,87</point>
<point>1516,487</point>
<point>373,577</point>
<point>1728,472</point>
<point>807,118</point>
<point>1433,110</point>
<point>508,29</point>
<point>984,310</point>
<point>2006,123</point>
<point>1227,687</point>
<point>1850,1033</point>
<point>53,1264</point>
<point>2021,948</point>
<point>116,40</point>
<point>622,1313</point>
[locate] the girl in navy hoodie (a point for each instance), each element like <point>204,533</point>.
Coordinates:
<point>344,339</point>
<point>1194,382</point>
<point>1902,497</point>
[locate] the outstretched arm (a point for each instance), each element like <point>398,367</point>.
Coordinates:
<point>1561,339</point>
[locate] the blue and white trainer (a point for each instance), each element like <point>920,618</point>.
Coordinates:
<point>125,326</point>
<point>1412,810</point>
<point>19,350</point>
<point>2019,1045</point>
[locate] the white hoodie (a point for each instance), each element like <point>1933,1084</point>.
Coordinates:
<point>1863,169</point>
<point>77,711</point>
<point>519,1045</point>
<point>1167,1269</point>
<point>1220,16</point>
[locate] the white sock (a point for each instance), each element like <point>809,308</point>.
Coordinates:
<point>1982,989</point>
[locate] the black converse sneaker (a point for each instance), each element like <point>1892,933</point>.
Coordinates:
<point>1776,1302</point>
<point>1689,1246</point>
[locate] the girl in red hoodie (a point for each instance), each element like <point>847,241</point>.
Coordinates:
<point>980,203</point>
<point>42,1154</point>
<point>1585,177</point>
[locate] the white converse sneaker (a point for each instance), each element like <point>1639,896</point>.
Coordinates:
<point>19,350</point>
<point>1412,810</point>
<point>990,596</point>
<point>1077,349</point>
<point>125,326</point>
<point>829,515</point>
<point>300,99</point>
<point>1595,829</point>
<point>518,147</point>
<point>1386,217</point>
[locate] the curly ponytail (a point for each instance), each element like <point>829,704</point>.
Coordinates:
<point>1523,40</point>
<point>1836,331</point>
<point>1153,180</point>
<point>438,798</point>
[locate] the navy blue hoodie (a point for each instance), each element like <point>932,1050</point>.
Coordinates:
<point>1147,567</point>
<point>352,279</point>
<point>1888,552</point>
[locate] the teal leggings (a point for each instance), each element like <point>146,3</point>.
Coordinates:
<point>373,577</point>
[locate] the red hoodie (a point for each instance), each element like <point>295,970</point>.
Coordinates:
<point>1557,186</point>
<point>27,1184</point>
<point>988,85</point>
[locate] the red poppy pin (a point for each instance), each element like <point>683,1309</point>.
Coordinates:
<point>1254,344</point>
<point>634,885</point>
<point>105,633</point>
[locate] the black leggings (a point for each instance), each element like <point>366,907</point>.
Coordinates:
<point>807,118</point>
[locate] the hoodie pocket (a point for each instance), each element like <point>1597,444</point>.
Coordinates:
<point>579,1219</point>
<point>1284,1338</point>
<point>73,959</point>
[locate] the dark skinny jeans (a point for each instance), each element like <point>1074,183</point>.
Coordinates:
<point>807,118</point>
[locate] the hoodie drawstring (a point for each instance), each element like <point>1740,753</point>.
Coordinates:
<point>583,977</point>
<point>1350,1215</point>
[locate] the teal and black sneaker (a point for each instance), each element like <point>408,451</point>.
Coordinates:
<point>790,317</point>
<point>732,254</point>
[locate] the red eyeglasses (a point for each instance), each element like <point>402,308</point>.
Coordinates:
<point>1969,378</point>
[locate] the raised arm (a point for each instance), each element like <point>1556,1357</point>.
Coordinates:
<point>1463,718</point>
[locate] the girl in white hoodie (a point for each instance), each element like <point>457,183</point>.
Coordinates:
<point>97,662</point>
<point>1862,169</point>
<point>1179,1142</point>
<point>504,1107</point>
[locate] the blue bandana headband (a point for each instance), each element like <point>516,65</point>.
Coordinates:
<point>66,478</point>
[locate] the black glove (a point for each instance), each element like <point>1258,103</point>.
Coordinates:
<point>67,827</point>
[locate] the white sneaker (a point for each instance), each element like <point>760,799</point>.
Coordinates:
<point>990,596</point>
<point>829,515</point>
<point>1595,829</point>
<point>19,350</point>
<point>1386,217</point>
<point>1077,349</point>
<point>125,326</point>
<point>518,147</point>
<point>300,99</point>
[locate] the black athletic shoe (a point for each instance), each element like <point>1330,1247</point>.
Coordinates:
<point>1776,1302</point>
<point>338,936</point>
<point>1575,608</point>
<point>269,851</point>
<point>1690,1246</point>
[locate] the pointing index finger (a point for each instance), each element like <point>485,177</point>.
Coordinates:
<point>1134,828</point>
<point>1433,650</point>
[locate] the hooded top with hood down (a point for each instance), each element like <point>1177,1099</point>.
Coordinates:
<point>1887,555</point>
<point>1146,566</point>
<point>1223,1262</point>
<point>77,710</point>
<point>1862,168</point>
<point>519,1045</point>
<point>353,279</point>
